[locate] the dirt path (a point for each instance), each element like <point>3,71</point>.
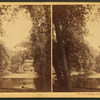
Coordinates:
<point>27,74</point>
<point>96,75</point>
<point>21,75</point>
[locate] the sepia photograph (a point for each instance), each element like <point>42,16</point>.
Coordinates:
<point>25,48</point>
<point>49,49</point>
<point>76,48</point>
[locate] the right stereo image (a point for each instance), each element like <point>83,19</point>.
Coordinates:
<point>76,48</point>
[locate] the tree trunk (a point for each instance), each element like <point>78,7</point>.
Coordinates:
<point>66,69</point>
<point>56,62</point>
<point>67,81</point>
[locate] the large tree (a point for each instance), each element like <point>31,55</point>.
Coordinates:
<point>69,49</point>
<point>41,43</point>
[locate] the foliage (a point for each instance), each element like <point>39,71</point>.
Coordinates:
<point>41,37</point>
<point>3,57</point>
<point>72,34</point>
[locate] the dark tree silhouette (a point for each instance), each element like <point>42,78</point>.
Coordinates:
<point>70,50</point>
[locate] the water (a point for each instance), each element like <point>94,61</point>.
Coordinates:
<point>91,83</point>
<point>17,84</point>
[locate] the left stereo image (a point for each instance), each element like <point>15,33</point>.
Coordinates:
<point>25,48</point>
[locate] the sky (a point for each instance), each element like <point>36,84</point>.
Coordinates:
<point>16,26</point>
<point>93,26</point>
